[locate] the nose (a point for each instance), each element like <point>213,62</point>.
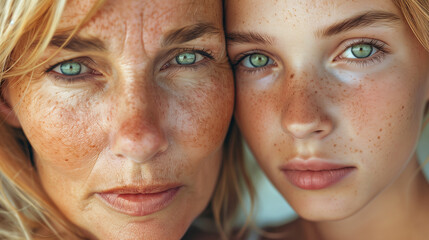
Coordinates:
<point>139,134</point>
<point>304,114</point>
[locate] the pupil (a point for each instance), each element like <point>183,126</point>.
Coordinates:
<point>258,60</point>
<point>362,50</point>
<point>186,58</point>
<point>70,68</point>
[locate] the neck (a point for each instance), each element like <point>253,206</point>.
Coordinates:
<point>400,212</point>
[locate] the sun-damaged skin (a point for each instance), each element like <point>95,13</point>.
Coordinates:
<point>136,123</point>
<point>313,104</point>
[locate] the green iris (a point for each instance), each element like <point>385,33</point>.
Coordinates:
<point>71,68</point>
<point>186,58</point>
<point>362,50</point>
<point>258,60</point>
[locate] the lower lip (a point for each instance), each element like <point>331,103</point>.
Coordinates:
<point>314,180</point>
<point>139,204</point>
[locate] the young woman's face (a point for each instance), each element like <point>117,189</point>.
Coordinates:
<point>127,121</point>
<point>330,97</point>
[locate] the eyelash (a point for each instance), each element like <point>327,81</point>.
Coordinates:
<point>86,61</point>
<point>205,53</point>
<point>375,58</point>
<point>238,60</point>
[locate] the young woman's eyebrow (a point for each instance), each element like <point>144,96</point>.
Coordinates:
<point>358,21</point>
<point>189,33</point>
<point>248,37</point>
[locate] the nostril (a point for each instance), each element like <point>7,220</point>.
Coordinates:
<point>318,131</point>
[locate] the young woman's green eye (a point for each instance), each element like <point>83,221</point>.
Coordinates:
<point>186,58</point>
<point>256,60</point>
<point>362,50</point>
<point>359,51</point>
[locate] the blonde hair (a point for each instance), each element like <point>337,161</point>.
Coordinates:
<point>233,183</point>
<point>416,13</point>
<point>26,211</point>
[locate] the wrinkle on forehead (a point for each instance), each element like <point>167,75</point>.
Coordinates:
<point>119,23</point>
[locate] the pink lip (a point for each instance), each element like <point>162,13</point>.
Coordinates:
<point>136,201</point>
<point>313,174</point>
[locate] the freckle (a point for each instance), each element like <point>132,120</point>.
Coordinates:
<point>378,137</point>
<point>275,144</point>
<point>292,75</point>
<point>381,129</point>
<point>315,92</point>
<point>351,139</point>
<point>335,145</point>
<point>66,159</point>
<point>403,107</point>
<point>390,124</point>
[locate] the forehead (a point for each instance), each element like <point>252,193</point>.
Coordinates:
<point>153,18</point>
<point>314,13</point>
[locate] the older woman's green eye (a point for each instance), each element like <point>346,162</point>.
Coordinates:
<point>186,58</point>
<point>70,68</point>
<point>362,50</point>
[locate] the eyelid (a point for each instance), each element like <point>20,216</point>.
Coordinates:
<point>381,46</point>
<point>237,59</point>
<point>86,61</point>
<point>172,54</point>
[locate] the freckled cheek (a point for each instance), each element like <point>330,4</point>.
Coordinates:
<point>385,119</point>
<point>258,114</point>
<point>202,114</point>
<point>61,134</point>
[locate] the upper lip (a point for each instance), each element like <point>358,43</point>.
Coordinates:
<point>313,164</point>
<point>141,189</point>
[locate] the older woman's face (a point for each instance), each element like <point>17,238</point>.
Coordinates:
<point>330,98</point>
<point>127,122</point>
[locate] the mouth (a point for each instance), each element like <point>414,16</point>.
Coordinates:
<point>315,174</point>
<point>135,201</point>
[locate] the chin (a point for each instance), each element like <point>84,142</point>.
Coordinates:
<point>325,208</point>
<point>144,231</point>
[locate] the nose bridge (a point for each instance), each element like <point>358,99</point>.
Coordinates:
<point>304,114</point>
<point>138,134</point>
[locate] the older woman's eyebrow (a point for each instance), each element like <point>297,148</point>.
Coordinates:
<point>78,43</point>
<point>189,33</point>
<point>361,20</point>
<point>248,37</point>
